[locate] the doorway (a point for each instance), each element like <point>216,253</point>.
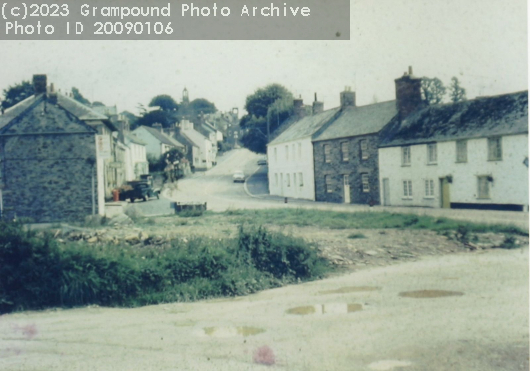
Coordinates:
<point>346,182</point>
<point>386,192</point>
<point>445,195</point>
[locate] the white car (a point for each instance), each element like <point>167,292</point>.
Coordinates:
<point>238,176</point>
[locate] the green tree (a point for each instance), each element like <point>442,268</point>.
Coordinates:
<point>258,103</point>
<point>165,102</point>
<point>76,94</point>
<point>202,105</point>
<point>17,93</point>
<point>167,119</point>
<point>433,90</point>
<point>456,92</point>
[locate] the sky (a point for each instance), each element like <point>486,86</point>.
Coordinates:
<point>482,42</point>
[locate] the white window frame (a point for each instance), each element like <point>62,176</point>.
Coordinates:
<point>483,187</point>
<point>328,181</point>
<point>288,179</point>
<point>461,151</point>
<point>405,156</point>
<point>299,151</point>
<point>276,179</point>
<point>275,154</point>
<point>364,149</point>
<point>344,151</point>
<point>432,153</point>
<point>327,153</point>
<point>294,180</point>
<point>495,149</point>
<point>429,188</point>
<point>287,153</point>
<point>301,179</point>
<point>407,189</point>
<point>365,180</point>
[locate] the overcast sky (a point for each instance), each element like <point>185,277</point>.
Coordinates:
<point>482,42</point>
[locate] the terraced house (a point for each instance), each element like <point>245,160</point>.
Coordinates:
<point>471,154</point>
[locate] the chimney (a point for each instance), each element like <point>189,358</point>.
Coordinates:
<point>408,94</point>
<point>317,106</point>
<point>347,98</point>
<point>39,84</point>
<point>52,95</point>
<point>298,107</point>
<point>158,127</point>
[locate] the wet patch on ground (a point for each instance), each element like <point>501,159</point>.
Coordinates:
<point>350,289</point>
<point>232,331</point>
<point>325,309</point>
<point>429,294</point>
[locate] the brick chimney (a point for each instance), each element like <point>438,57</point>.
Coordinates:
<point>347,98</point>
<point>39,84</point>
<point>158,127</point>
<point>317,106</point>
<point>408,94</point>
<point>298,107</point>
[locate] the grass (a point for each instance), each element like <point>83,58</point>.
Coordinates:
<point>37,272</point>
<point>363,220</point>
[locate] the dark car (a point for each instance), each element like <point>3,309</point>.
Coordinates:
<point>262,162</point>
<point>137,190</point>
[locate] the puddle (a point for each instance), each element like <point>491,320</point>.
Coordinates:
<point>325,309</point>
<point>428,294</point>
<point>350,289</point>
<point>232,331</point>
<point>388,365</point>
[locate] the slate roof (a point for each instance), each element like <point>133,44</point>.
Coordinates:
<point>77,109</point>
<point>194,136</point>
<point>482,117</point>
<point>134,139</point>
<point>355,121</point>
<point>305,127</point>
<point>162,138</point>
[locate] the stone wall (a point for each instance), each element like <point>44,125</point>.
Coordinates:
<point>48,178</point>
<point>354,167</point>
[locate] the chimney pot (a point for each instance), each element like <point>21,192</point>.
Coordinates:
<point>347,98</point>
<point>408,94</point>
<point>298,107</point>
<point>39,84</point>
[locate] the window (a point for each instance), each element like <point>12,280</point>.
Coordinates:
<point>364,149</point>
<point>461,151</point>
<point>483,187</point>
<point>494,149</point>
<point>327,179</point>
<point>366,182</point>
<point>276,179</point>
<point>275,154</point>
<point>429,188</point>
<point>299,150</point>
<point>405,156</point>
<point>294,179</point>
<point>287,152</point>
<point>407,189</point>
<point>281,180</point>
<point>301,179</point>
<point>288,180</point>
<point>294,153</point>
<point>344,151</point>
<point>432,155</point>
<point>327,153</point>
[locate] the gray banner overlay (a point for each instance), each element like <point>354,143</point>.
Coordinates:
<point>175,20</point>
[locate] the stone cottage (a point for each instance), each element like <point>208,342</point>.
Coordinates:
<point>52,158</point>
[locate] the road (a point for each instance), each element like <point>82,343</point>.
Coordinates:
<point>217,189</point>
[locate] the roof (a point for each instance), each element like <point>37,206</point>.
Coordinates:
<point>106,110</point>
<point>482,117</point>
<point>305,127</point>
<point>134,139</point>
<point>161,137</point>
<point>194,136</point>
<point>185,140</point>
<point>77,109</point>
<point>355,121</point>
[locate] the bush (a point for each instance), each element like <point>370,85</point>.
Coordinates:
<point>36,272</point>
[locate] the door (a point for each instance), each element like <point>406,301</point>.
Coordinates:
<point>346,182</point>
<point>445,195</point>
<point>386,192</point>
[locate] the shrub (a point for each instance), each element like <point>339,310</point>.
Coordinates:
<point>356,235</point>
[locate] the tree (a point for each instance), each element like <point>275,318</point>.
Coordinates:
<point>456,92</point>
<point>167,119</point>
<point>433,90</point>
<point>17,93</point>
<point>258,104</point>
<point>202,105</point>
<point>165,102</point>
<point>256,137</point>
<point>79,97</point>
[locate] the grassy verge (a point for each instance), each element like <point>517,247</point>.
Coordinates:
<point>363,220</point>
<point>37,272</point>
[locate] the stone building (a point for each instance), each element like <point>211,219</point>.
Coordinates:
<point>53,153</point>
<point>345,152</point>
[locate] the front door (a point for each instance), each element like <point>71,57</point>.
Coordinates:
<point>445,195</point>
<point>386,192</point>
<point>346,189</point>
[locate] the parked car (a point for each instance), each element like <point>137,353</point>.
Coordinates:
<point>239,176</point>
<point>262,161</point>
<point>136,190</point>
